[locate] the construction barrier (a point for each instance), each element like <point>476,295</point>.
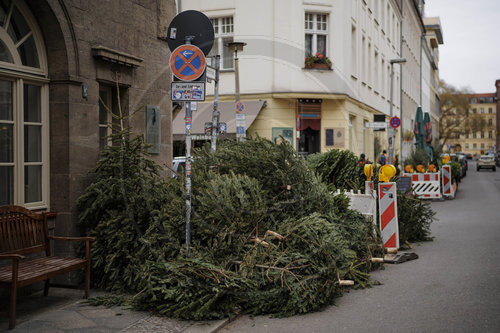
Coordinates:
<point>448,190</point>
<point>366,204</point>
<point>426,185</point>
<point>388,211</point>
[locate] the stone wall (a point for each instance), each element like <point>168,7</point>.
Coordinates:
<point>95,43</point>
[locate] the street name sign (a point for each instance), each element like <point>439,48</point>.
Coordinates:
<point>375,125</point>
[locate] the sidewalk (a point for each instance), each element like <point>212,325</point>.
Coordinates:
<point>64,310</point>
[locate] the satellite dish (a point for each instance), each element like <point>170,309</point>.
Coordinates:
<point>192,25</point>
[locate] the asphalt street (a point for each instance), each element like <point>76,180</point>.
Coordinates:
<point>454,286</point>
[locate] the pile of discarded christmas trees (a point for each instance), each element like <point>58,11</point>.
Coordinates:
<point>268,236</point>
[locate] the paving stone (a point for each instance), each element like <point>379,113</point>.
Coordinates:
<point>158,324</point>
<point>71,324</point>
<point>96,313</point>
<point>35,326</point>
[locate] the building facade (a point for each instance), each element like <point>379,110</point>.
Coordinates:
<point>61,61</point>
<point>485,140</point>
<point>434,37</point>
<point>314,109</point>
<point>412,36</point>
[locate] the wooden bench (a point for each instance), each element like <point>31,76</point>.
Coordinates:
<point>24,232</point>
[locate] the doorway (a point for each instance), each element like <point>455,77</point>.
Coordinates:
<point>310,140</point>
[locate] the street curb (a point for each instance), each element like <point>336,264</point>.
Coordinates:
<point>214,326</point>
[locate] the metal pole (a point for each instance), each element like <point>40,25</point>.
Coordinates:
<point>188,166</point>
<point>215,117</point>
<point>188,175</point>
<point>240,118</point>
<point>391,130</point>
<point>236,76</point>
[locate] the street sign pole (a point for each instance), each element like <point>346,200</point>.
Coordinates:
<point>188,175</point>
<point>188,167</point>
<point>187,63</point>
<point>391,130</point>
<point>215,118</point>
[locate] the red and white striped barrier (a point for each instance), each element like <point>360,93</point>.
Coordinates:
<point>426,185</point>
<point>446,177</point>
<point>369,187</point>
<point>388,213</point>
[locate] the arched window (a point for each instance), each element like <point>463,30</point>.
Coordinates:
<point>24,141</point>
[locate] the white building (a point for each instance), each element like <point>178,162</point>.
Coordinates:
<point>330,107</point>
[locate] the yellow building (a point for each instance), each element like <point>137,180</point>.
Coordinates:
<point>480,142</point>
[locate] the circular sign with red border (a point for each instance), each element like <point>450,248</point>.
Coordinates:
<point>187,62</point>
<point>395,122</point>
<point>240,107</point>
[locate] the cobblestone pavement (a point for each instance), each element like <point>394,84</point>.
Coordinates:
<point>64,311</point>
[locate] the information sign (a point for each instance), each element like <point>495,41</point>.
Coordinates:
<point>188,91</point>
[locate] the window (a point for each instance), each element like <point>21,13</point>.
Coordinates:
<point>473,100</point>
<point>482,145</point>
<point>481,110</point>
<point>482,134</point>
<point>490,134</point>
<point>24,154</point>
<point>474,110</point>
<point>354,52</point>
<point>482,100</point>
<point>490,110</point>
<point>363,59</point>
<point>352,132</point>
<point>466,146</point>
<point>105,119</point>
<point>316,33</point>
<point>474,135</point>
<point>474,146</point>
<point>224,34</point>
<point>490,122</point>
<point>467,135</point>
<point>490,99</point>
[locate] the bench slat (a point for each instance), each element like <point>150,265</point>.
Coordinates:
<point>40,269</point>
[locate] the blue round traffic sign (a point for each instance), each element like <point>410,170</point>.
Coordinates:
<point>187,62</point>
<point>395,122</point>
<point>240,107</point>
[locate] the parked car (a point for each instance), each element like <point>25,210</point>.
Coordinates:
<point>463,165</point>
<point>468,156</point>
<point>498,158</point>
<point>486,162</point>
<point>463,160</point>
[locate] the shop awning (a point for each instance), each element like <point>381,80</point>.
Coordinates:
<point>203,115</point>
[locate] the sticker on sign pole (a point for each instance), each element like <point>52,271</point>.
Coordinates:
<point>187,62</point>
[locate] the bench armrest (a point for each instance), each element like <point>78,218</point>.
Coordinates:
<point>11,256</point>
<point>73,239</point>
<point>87,241</point>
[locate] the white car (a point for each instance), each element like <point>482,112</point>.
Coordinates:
<point>486,162</point>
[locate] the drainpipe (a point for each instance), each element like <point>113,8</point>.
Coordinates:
<point>401,89</point>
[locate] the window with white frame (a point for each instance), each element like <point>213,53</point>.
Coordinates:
<point>24,155</point>
<point>224,34</point>
<point>316,34</point>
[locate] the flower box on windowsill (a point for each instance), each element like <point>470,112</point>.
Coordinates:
<point>318,66</point>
